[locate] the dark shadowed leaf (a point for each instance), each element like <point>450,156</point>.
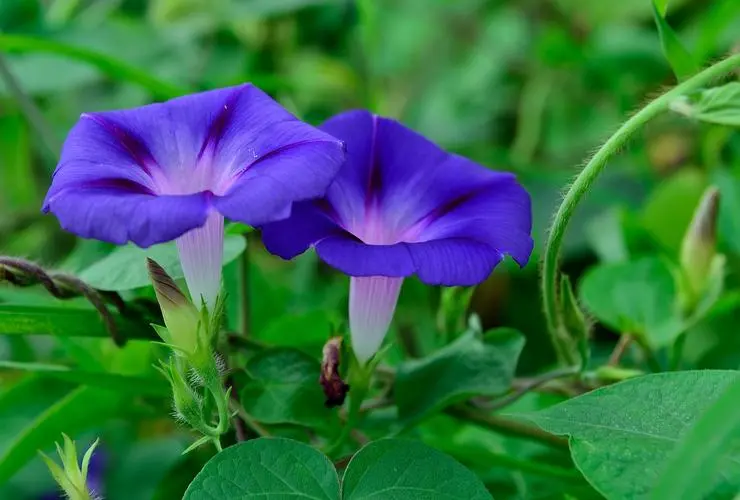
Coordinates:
<point>468,367</point>
<point>283,387</point>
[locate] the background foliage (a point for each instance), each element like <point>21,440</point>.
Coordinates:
<point>531,86</point>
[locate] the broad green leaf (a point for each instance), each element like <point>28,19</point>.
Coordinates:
<point>701,455</point>
<point>283,387</point>
<point>112,381</point>
<point>266,468</point>
<point>623,436</point>
<point>125,267</point>
<point>18,319</point>
<point>468,367</point>
<point>638,297</point>
<point>79,410</point>
<point>114,68</point>
<point>397,469</point>
<point>681,61</point>
<point>720,105</point>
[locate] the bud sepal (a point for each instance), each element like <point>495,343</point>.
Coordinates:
<point>72,476</point>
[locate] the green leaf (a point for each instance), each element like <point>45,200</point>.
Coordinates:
<point>661,6</point>
<point>670,207</point>
<point>720,105</point>
<point>729,207</point>
<point>16,175</point>
<point>79,410</point>
<point>638,297</point>
<point>307,331</point>
<point>681,61</point>
<point>266,8</point>
<point>112,67</point>
<point>19,319</point>
<point>700,456</point>
<point>468,367</point>
<point>283,387</point>
<point>266,468</point>
<point>112,381</point>
<point>623,436</point>
<point>125,267</point>
<point>397,469</point>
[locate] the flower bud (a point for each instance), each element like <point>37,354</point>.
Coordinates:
<point>698,248</point>
<point>71,476</point>
<point>575,323</point>
<point>186,402</point>
<point>181,317</point>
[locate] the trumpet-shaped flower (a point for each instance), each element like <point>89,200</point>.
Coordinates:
<point>399,206</point>
<point>174,170</point>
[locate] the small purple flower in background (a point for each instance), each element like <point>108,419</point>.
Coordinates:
<point>174,170</point>
<point>402,206</point>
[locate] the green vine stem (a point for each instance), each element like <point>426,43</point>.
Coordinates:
<point>592,170</point>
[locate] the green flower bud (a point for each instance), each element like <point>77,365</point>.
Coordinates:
<point>183,321</point>
<point>187,403</point>
<point>577,327</point>
<point>698,249</point>
<point>71,476</point>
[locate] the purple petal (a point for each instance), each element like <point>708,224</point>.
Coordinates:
<point>293,236</point>
<point>401,205</point>
<point>295,172</point>
<point>355,258</point>
<point>497,212</point>
<point>227,142</point>
<point>372,302</point>
<point>117,217</point>
<point>453,262</point>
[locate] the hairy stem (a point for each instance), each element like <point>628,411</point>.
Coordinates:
<point>592,170</point>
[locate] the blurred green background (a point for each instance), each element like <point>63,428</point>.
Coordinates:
<point>531,86</point>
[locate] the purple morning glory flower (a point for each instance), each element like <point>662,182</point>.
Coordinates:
<point>174,170</point>
<point>399,206</point>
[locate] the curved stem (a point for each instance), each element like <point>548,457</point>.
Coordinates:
<point>506,426</point>
<point>594,167</point>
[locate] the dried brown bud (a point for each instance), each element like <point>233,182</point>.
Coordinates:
<point>335,389</point>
